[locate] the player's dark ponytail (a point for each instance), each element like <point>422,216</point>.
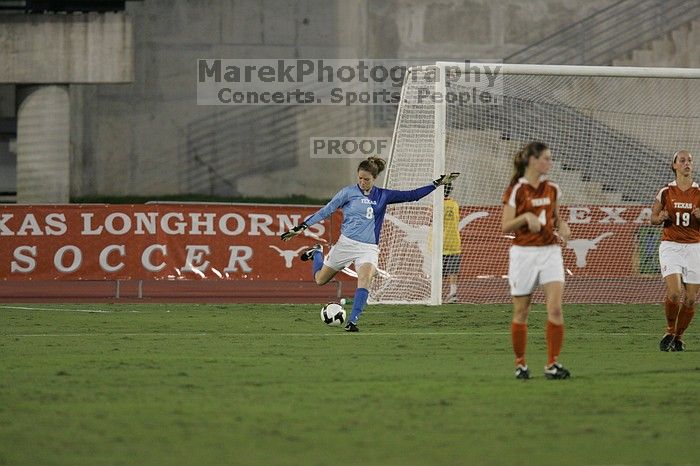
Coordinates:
<point>373,165</point>
<point>522,158</point>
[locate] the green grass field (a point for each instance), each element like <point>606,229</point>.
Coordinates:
<point>184,384</point>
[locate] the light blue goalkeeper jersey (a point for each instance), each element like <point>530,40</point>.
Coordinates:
<point>363,215</point>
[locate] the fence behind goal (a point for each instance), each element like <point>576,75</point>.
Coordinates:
<point>612,132</point>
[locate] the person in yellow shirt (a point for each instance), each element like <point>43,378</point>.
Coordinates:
<point>451,243</point>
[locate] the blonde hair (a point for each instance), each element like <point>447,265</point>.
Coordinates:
<point>522,158</point>
<point>373,165</point>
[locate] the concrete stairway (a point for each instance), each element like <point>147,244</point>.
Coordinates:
<point>679,48</point>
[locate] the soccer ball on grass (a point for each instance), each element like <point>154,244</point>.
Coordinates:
<point>333,314</point>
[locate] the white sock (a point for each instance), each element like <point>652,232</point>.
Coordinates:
<point>453,289</point>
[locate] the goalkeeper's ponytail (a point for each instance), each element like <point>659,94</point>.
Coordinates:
<point>373,165</point>
<point>522,158</point>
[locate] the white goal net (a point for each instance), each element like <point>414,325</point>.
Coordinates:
<point>612,132</point>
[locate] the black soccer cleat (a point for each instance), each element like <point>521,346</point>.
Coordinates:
<point>666,342</point>
<point>556,371</point>
<point>350,327</point>
<point>522,372</point>
<point>677,345</point>
<point>309,253</point>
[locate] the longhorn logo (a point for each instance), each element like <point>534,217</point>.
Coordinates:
<point>471,217</point>
<point>581,247</point>
<point>288,254</point>
<point>419,235</point>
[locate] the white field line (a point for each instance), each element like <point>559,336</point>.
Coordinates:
<point>448,309</point>
<point>22,308</point>
<point>339,332</point>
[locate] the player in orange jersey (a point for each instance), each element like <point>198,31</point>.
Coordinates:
<point>531,212</point>
<point>677,207</point>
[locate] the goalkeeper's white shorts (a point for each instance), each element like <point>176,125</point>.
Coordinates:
<point>682,258</point>
<point>346,251</point>
<point>531,266</point>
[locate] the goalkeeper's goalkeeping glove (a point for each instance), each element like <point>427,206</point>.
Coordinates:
<point>286,236</point>
<point>444,179</point>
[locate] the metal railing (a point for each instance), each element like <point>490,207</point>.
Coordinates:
<point>225,146</point>
<point>610,33</point>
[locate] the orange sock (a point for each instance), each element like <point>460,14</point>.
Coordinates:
<point>518,332</point>
<point>672,309</point>
<point>684,317</point>
<point>555,338</point>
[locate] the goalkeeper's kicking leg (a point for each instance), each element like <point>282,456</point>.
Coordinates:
<point>341,255</point>
<point>320,272</point>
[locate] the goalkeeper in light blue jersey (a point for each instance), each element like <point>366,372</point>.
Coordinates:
<point>364,206</point>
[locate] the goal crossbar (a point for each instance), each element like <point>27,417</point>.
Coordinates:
<point>576,70</point>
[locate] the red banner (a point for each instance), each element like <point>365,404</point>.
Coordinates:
<point>606,241</point>
<point>190,241</point>
<point>156,241</point>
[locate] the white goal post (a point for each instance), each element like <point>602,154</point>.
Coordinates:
<point>612,132</point>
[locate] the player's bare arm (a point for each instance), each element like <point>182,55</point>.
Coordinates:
<point>512,223</point>
<point>658,214</point>
<point>561,226</point>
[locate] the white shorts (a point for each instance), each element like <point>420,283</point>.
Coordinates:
<point>531,266</point>
<point>682,258</point>
<point>346,251</point>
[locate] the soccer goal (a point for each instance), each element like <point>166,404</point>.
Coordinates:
<point>612,132</point>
